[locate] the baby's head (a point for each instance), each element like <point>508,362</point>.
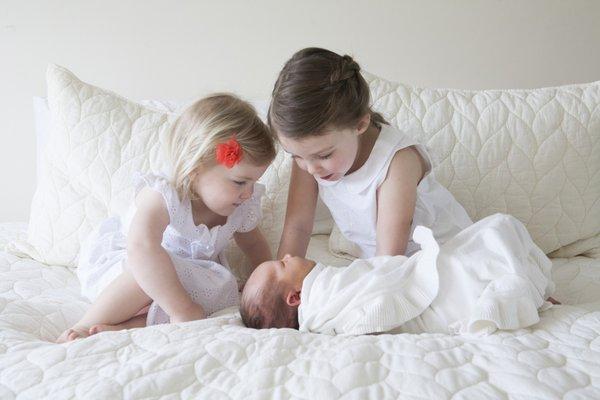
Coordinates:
<point>219,147</point>
<point>271,296</point>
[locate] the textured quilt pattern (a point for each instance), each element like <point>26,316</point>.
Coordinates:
<point>219,359</point>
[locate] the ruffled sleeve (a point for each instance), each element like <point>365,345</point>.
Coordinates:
<point>251,211</point>
<point>161,185</point>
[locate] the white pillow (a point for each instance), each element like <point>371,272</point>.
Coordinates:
<point>42,120</point>
<point>531,153</point>
<point>96,140</point>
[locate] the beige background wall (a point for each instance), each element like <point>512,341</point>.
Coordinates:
<point>183,49</point>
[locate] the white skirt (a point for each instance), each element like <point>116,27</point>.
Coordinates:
<point>103,258</point>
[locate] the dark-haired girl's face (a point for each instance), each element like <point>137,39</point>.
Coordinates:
<point>328,156</point>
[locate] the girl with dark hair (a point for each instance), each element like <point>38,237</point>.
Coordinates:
<point>376,180</point>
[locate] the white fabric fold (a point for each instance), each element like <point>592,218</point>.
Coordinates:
<point>373,295</point>
<point>490,276</point>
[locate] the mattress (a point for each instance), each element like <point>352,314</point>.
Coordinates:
<point>218,358</point>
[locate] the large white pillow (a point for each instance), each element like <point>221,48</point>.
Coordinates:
<point>532,153</point>
<point>97,141</point>
<point>89,146</point>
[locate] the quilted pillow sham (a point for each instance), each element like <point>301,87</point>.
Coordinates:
<point>531,153</point>
<point>97,141</point>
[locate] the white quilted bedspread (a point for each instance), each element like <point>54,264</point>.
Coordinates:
<point>219,359</point>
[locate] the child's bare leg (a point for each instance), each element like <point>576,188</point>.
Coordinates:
<point>117,303</point>
<point>139,321</point>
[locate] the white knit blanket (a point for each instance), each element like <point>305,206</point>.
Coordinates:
<point>490,276</point>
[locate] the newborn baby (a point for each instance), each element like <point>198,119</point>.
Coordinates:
<point>490,276</point>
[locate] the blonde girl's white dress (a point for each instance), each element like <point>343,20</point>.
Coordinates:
<point>196,251</point>
<point>352,200</point>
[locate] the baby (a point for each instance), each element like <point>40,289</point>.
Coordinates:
<point>490,276</point>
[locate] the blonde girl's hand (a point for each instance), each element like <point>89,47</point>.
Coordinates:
<point>191,312</point>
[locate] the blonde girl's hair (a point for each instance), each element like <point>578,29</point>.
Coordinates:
<point>317,90</point>
<point>205,124</point>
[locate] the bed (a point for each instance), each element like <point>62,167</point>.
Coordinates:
<point>219,358</point>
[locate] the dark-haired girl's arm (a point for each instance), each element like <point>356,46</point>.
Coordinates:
<point>396,199</point>
<point>300,213</point>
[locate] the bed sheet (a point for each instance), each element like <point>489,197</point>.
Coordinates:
<point>218,358</point>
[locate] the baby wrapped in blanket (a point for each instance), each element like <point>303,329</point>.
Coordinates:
<point>490,276</point>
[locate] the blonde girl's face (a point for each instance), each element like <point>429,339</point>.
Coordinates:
<point>224,189</point>
<point>329,156</point>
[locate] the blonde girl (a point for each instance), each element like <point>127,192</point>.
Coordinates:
<point>167,253</point>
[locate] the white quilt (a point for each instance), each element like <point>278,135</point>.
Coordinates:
<point>219,359</point>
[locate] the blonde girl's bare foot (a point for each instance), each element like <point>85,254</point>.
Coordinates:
<point>139,321</point>
<point>72,334</point>
<point>104,328</point>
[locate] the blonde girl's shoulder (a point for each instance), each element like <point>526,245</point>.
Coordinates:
<point>150,220</point>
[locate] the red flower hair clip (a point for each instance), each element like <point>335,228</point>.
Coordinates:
<point>229,153</point>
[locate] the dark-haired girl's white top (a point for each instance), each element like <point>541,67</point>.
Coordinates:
<point>352,199</point>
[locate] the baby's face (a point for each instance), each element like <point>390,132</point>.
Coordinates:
<point>289,270</point>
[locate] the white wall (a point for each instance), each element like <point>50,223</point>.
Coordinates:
<point>183,49</point>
